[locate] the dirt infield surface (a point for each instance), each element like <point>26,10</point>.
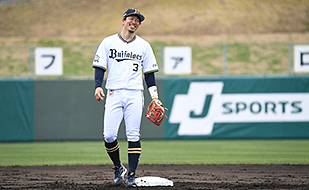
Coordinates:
<point>184,177</point>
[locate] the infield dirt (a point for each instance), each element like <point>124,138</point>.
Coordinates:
<point>183,176</point>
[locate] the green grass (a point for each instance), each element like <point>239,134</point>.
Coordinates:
<point>160,152</point>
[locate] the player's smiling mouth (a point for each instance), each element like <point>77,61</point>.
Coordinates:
<point>133,25</point>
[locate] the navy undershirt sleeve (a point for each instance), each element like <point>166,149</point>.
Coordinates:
<point>150,79</point>
<point>98,76</point>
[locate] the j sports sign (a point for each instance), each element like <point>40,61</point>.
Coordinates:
<point>200,105</point>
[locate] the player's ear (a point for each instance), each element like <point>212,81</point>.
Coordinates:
<point>123,19</point>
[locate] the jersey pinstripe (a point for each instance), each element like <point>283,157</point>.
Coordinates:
<point>125,62</point>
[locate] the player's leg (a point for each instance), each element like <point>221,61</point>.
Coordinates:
<point>113,152</point>
<point>132,112</point>
<point>113,115</point>
<point>134,152</point>
<point>112,119</point>
<point>133,116</point>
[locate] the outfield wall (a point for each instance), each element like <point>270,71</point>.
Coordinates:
<point>16,110</point>
<point>57,110</point>
<point>198,108</point>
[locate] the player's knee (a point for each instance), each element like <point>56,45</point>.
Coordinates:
<point>110,136</point>
<point>109,139</point>
<point>133,138</point>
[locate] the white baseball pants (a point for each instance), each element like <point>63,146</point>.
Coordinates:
<point>127,104</point>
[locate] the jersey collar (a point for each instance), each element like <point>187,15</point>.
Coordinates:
<point>124,40</point>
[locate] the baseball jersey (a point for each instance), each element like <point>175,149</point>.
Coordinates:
<point>125,62</point>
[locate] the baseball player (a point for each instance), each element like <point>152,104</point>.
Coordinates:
<point>126,57</point>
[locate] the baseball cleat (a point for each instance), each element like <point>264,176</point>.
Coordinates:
<point>119,172</point>
<point>130,180</point>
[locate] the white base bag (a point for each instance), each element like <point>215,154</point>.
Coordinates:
<point>152,181</point>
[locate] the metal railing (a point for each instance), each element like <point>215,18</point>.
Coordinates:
<point>213,60</point>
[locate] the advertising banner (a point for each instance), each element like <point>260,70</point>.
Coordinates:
<point>237,108</point>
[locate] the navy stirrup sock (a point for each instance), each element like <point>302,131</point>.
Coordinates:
<point>134,152</point>
<point>113,152</point>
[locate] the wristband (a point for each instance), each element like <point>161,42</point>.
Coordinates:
<point>153,92</point>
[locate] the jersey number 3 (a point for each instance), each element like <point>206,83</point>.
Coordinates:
<point>135,67</point>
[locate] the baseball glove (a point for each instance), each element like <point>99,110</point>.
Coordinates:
<point>156,112</point>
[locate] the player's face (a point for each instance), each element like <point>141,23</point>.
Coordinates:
<point>131,23</point>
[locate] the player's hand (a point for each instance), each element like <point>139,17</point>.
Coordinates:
<point>99,94</point>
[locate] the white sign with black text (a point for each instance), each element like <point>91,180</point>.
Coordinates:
<point>48,61</point>
<point>177,60</point>
<point>301,58</point>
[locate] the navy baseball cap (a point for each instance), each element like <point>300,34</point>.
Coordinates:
<point>134,12</point>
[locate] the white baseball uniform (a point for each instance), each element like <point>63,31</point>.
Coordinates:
<point>125,63</point>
